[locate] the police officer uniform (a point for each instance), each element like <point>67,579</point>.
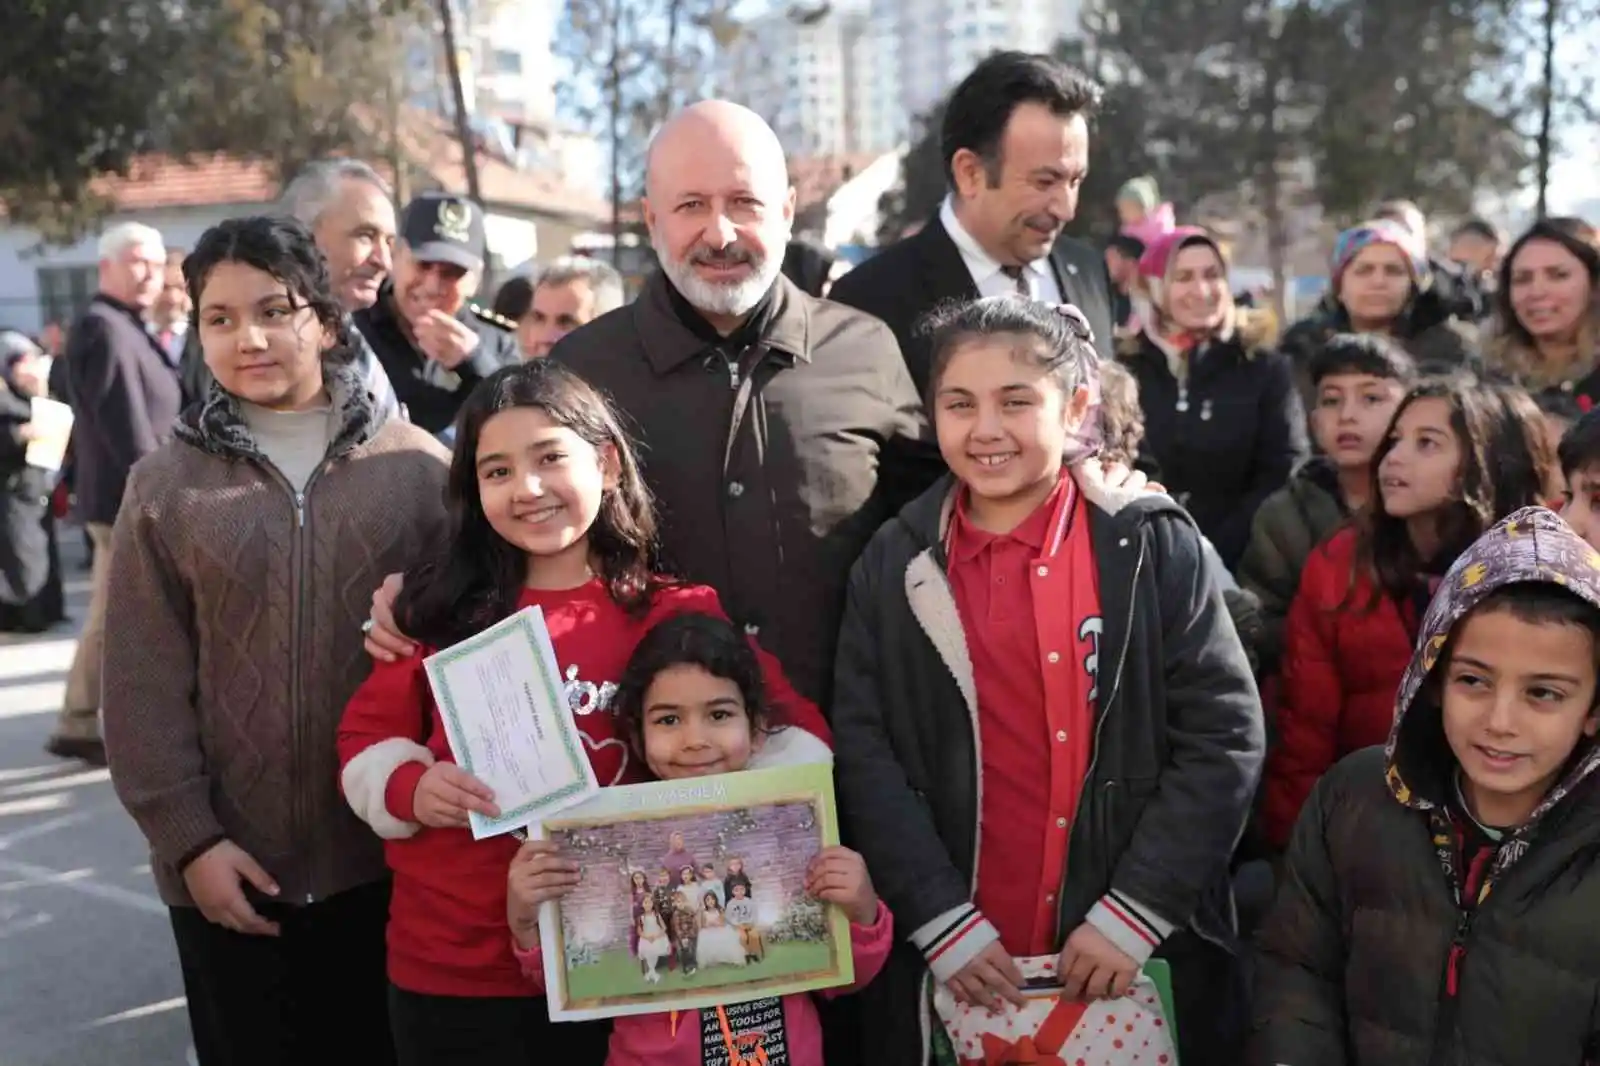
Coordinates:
<point>438,228</point>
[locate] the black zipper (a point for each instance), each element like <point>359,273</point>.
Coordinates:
<point>298,816</point>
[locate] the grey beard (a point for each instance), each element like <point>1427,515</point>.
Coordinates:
<point>736,299</point>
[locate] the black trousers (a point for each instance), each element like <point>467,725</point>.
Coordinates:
<point>490,1031</point>
<point>1211,1000</point>
<point>317,993</point>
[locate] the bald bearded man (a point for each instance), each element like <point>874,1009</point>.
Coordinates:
<point>778,430</point>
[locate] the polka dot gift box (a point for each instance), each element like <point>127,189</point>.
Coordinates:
<point>1049,1031</point>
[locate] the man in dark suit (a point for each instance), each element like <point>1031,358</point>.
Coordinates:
<point>126,397</point>
<point>1015,143</point>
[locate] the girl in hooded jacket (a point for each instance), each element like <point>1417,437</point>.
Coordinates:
<point>1440,892</point>
<point>1456,457</point>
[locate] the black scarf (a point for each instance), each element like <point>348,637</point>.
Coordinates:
<point>751,330</point>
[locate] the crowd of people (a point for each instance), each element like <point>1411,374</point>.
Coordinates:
<point>1133,626</point>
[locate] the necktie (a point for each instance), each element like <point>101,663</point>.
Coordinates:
<point>1019,278</point>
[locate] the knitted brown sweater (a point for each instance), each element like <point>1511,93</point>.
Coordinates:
<point>233,637</point>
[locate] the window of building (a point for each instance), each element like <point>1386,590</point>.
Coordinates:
<point>65,291</point>
<point>507,62</point>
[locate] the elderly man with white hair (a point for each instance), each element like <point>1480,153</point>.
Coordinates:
<point>126,398</point>
<point>349,209</point>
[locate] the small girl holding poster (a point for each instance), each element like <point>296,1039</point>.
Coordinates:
<point>691,703</point>
<point>548,509</point>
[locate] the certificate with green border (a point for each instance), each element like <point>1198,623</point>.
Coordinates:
<point>509,724</point>
<point>771,821</point>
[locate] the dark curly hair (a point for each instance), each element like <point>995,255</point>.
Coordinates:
<point>1121,416</point>
<point>280,247</point>
<point>478,578</point>
<point>702,640</point>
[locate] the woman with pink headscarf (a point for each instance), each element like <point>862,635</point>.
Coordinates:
<point>1222,418</point>
<point>1381,282</point>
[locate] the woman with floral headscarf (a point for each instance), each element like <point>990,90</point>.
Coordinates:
<point>1222,419</point>
<point>1381,282</point>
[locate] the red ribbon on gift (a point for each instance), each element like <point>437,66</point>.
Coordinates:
<point>1043,1047</point>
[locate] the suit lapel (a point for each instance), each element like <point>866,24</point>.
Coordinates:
<point>944,273</point>
<point>1069,277</point>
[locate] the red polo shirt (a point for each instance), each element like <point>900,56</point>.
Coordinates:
<point>1035,713</point>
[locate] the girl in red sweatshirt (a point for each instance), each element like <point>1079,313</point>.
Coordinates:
<point>547,509</point>
<point>692,705</point>
<point>1455,458</point>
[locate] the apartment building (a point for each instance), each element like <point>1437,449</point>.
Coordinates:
<point>848,78</point>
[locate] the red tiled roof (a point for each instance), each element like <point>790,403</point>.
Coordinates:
<point>158,181</point>
<point>161,181</point>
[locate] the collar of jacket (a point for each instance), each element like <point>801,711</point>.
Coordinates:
<point>127,309</point>
<point>928,516</point>
<point>1114,515</point>
<point>216,424</point>
<point>668,343</point>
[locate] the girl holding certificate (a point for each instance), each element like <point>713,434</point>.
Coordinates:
<point>692,703</point>
<point>547,509</point>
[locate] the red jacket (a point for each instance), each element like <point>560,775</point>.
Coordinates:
<point>1341,669</point>
<point>447,921</point>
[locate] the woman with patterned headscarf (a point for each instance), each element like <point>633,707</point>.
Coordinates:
<point>1381,282</point>
<point>1222,419</point>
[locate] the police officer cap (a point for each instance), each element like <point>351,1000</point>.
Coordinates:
<point>441,227</point>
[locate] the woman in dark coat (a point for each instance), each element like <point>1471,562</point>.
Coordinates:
<point>30,564</point>
<point>1382,282</point>
<point>1223,421</point>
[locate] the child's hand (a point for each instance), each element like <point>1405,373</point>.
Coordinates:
<point>990,980</point>
<point>1092,967</point>
<point>538,874</point>
<point>446,793</point>
<point>839,875</point>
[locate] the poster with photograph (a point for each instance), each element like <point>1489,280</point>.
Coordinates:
<point>692,894</point>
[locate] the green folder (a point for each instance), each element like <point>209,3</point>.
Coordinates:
<point>1160,973</point>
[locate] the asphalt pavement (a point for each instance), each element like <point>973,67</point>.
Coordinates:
<point>88,976</point>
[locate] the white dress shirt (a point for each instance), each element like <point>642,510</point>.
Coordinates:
<point>987,273</point>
